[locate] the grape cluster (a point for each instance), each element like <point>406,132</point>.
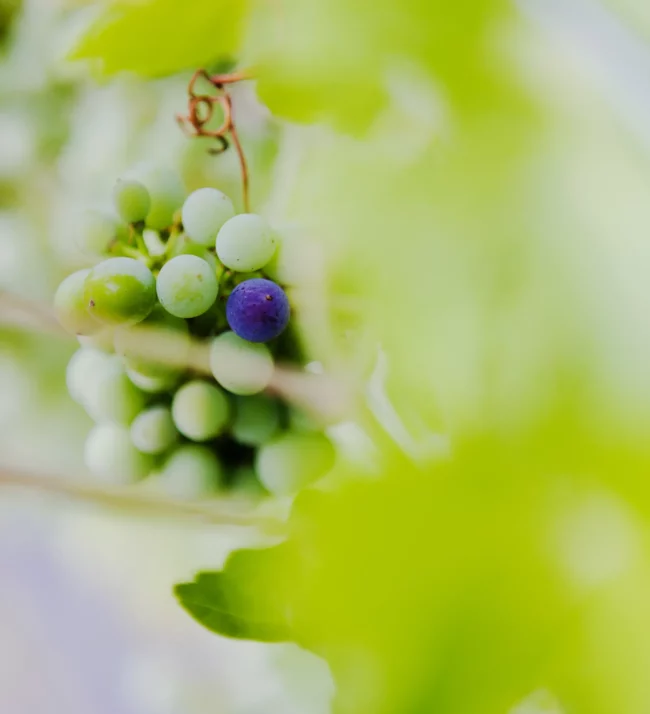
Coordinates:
<point>173,276</point>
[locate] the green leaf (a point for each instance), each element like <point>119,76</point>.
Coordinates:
<point>160,37</point>
<point>238,602</point>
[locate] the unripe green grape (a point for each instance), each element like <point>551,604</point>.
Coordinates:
<point>132,200</point>
<point>153,430</point>
<point>200,410</point>
<point>110,455</point>
<point>98,231</point>
<point>187,286</point>
<point>257,419</point>
<point>70,305</point>
<point>186,246</point>
<point>246,243</point>
<point>204,213</point>
<point>294,460</point>
<point>109,395</point>
<point>120,291</point>
<point>190,472</point>
<point>159,334</point>
<point>240,367</point>
<point>244,482</point>
<point>84,364</point>
<point>165,191</point>
<point>101,340</point>
<point>153,385</point>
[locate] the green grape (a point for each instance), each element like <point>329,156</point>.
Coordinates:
<point>186,246</point>
<point>204,213</point>
<point>246,243</point>
<point>244,482</point>
<point>110,455</point>
<point>109,395</point>
<point>190,472</point>
<point>200,410</point>
<point>132,201</point>
<point>120,291</point>
<point>101,340</point>
<point>165,191</point>
<point>98,231</point>
<point>70,305</point>
<point>300,420</point>
<point>187,286</point>
<point>153,430</point>
<point>153,385</point>
<point>159,334</point>
<point>240,367</point>
<point>84,364</point>
<point>293,461</point>
<point>257,418</point>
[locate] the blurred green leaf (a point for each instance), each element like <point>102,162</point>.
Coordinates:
<point>160,37</point>
<point>239,601</point>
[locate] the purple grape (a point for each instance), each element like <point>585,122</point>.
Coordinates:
<point>258,310</point>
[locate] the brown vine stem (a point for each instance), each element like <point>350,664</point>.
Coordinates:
<point>200,111</point>
<point>224,511</point>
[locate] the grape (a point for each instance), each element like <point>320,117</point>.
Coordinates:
<point>159,334</point>
<point>110,455</point>
<point>294,460</point>
<point>153,430</point>
<point>245,243</point>
<point>120,291</point>
<point>257,418</point>
<point>190,472</point>
<point>132,200</point>
<point>200,410</point>
<point>153,385</point>
<point>240,367</point>
<point>101,340</point>
<point>204,213</point>
<point>109,395</point>
<point>258,310</point>
<point>186,246</point>
<point>70,305</point>
<point>244,482</point>
<point>98,231</point>
<point>83,365</point>
<point>165,191</point>
<point>187,286</point>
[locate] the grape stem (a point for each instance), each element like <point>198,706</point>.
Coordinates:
<point>223,511</point>
<point>201,110</point>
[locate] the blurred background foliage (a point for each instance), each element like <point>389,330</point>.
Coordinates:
<point>474,179</point>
